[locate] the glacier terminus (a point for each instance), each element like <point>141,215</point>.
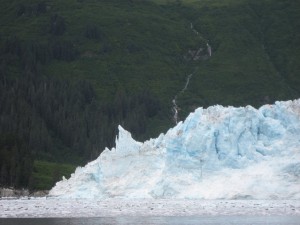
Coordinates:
<point>216,153</point>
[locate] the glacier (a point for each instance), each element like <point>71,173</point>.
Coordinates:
<point>216,153</point>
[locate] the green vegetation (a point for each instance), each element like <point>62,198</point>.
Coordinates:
<point>72,70</point>
<point>46,174</point>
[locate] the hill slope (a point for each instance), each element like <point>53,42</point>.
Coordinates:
<point>71,71</point>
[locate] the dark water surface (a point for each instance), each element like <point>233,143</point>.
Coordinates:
<point>182,220</point>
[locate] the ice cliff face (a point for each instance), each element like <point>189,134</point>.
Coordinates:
<point>218,152</point>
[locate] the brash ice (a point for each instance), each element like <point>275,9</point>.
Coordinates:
<point>216,153</point>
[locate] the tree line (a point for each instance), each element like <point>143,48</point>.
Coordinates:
<point>42,117</point>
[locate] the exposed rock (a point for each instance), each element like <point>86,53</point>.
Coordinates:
<point>16,193</point>
<point>200,54</point>
<point>6,192</point>
<point>41,193</point>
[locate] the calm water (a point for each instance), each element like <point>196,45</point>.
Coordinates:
<point>262,220</point>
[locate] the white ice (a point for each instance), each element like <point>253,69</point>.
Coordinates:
<point>75,208</point>
<point>216,153</point>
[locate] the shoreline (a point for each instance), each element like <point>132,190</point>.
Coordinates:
<point>12,193</point>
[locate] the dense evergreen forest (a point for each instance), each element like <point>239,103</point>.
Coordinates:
<point>71,71</point>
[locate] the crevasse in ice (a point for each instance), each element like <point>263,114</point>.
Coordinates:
<point>216,153</point>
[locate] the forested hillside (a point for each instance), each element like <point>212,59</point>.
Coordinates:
<point>72,70</point>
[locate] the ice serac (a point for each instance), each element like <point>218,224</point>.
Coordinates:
<point>216,153</point>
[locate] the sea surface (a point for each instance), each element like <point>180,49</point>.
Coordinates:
<point>162,220</point>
